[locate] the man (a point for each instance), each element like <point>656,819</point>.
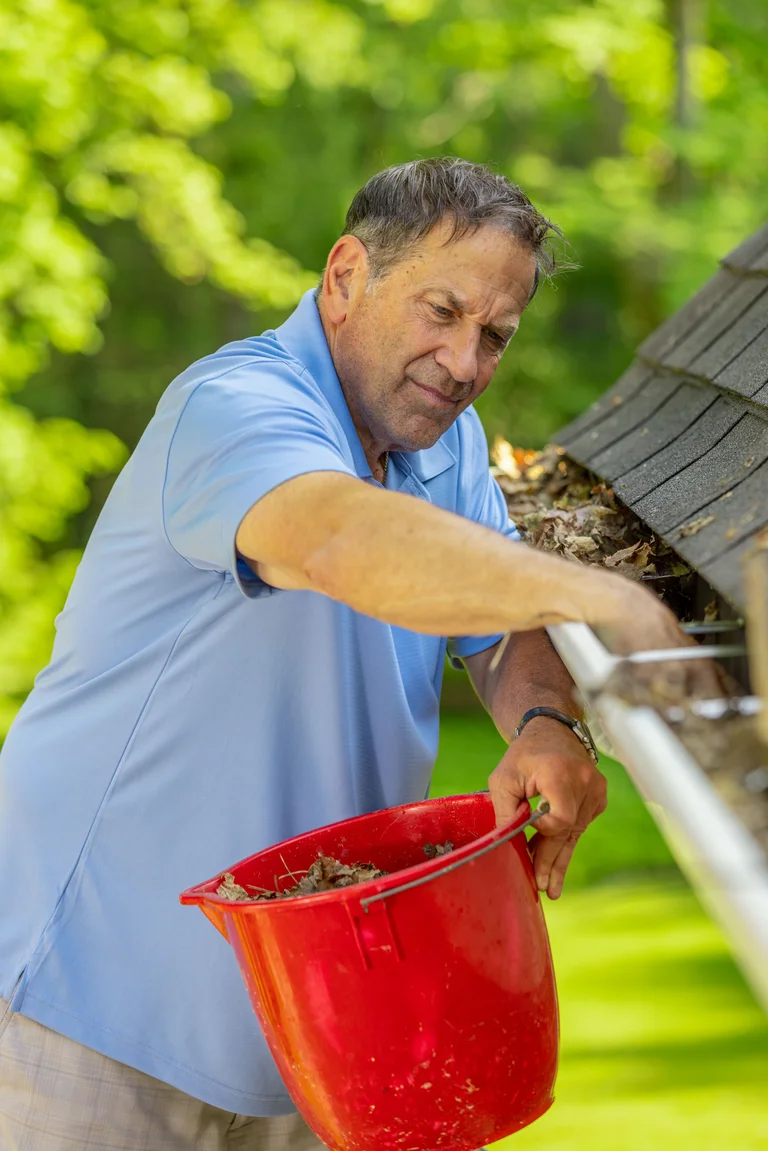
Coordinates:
<point>253,646</point>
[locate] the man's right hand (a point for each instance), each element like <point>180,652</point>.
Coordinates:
<point>646,624</point>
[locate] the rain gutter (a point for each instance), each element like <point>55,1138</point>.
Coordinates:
<point>722,861</point>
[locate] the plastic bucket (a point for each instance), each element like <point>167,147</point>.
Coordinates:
<point>402,1016</point>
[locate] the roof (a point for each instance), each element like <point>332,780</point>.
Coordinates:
<point>682,436</point>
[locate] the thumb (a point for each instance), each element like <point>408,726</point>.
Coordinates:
<point>508,790</point>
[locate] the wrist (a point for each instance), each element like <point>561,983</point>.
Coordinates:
<point>562,720</point>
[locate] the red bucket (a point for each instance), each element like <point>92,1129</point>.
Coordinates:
<point>411,1013</point>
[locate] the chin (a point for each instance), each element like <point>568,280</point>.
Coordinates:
<point>419,441</point>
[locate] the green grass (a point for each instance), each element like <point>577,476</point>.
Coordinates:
<point>663,1046</point>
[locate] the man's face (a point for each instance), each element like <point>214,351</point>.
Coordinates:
<point>424,341</point>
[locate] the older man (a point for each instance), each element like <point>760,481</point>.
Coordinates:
<point>253,646</point>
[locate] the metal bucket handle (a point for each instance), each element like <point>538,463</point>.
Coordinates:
<point>542,809</point>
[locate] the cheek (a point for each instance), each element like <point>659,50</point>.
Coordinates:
<point>417,338</point>
<point>486,369</point>
<point>373,361</point>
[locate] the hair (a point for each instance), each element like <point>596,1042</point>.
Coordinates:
<point>399,206</point>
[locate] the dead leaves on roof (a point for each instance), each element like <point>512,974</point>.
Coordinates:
<point>695,526</point>
<point>560,507</point>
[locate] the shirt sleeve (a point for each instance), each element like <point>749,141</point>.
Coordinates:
<point>482,500</point>
<point>240,435</point>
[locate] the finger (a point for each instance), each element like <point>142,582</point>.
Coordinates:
<point>593,806</point>
<point>545,849</point>
<point>562,791</point>
<point>707,680</point>
<point>552,854</point>
<point>508,790</point>
<point>560,866</point>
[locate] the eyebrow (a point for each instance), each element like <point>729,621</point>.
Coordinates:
<point>506,330</point>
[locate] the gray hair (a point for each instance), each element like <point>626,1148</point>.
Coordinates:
<point>399,206</point>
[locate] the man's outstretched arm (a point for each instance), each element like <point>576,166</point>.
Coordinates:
<point>408,563</point>
<point>403,561</point>
<point>547,759</point>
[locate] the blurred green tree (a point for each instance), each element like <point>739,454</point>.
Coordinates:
<point>99,103</point>
<point>187,160</point>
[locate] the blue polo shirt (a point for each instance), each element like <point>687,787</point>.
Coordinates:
<point>191,715</point>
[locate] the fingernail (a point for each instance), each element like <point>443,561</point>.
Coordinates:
<point>542,881</point>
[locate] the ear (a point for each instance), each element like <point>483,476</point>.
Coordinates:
<point>345,278</point>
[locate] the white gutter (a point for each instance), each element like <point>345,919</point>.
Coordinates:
<point>722,861</point>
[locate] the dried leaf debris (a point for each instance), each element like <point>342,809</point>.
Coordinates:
<point>433,850</point>
<point>695,526</point>
<point>728,749</point>
<point>559,506</point>
<point>735,759</point>
<point>325,874</point>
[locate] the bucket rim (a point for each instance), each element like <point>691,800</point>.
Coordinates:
<point>205,892</point>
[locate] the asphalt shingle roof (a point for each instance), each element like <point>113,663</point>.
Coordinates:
<point>683,435</point>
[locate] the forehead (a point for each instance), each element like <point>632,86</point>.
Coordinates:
<point>486,267</point>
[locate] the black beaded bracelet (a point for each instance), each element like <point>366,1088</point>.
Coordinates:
<point>577,726</point>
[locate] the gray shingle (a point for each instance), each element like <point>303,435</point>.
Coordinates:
<point>734,340</point>
<point>751,254</point>
<point>735,515</point>
<point>728,462</point>
<point>632,381</point>
<point>748,371</point>
<point>699,437</point>
<point>683,436</point>
<point>718,322</point>
<point>726,573</point>
<point>661,342</point>
<point>624,417</point>
<point>683,405</point>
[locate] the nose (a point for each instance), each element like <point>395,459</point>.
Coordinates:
<point>458,354</point>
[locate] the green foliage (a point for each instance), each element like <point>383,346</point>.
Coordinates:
<point>167,165</point>
<point>98,104</point>
<point>43,467</point>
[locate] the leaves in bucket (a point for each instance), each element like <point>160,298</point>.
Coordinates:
<point>325,874</point>
<point>231,890</point>
<point>432,850</point>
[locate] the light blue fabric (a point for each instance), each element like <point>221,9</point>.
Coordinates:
<point>191,716</point>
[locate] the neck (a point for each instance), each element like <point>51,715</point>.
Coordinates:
<point>376,451</point>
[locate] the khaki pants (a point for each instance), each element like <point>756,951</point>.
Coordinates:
<point>56,1095</point>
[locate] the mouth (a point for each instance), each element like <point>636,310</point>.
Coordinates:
<point>433,395</point>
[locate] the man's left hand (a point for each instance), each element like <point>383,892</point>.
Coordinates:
<point>547,760</point>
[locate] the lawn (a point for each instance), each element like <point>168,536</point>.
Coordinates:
<point>663,1046</point>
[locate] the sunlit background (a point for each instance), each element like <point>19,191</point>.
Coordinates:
<point>172,174</point>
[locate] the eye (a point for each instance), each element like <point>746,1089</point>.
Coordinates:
<point>495,338</point>
<point>443,313</point>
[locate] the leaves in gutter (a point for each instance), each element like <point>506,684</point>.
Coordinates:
<point>561,507</point>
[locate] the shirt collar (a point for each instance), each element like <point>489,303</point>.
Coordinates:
<point>429,463</point>
<point>302,335</point>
